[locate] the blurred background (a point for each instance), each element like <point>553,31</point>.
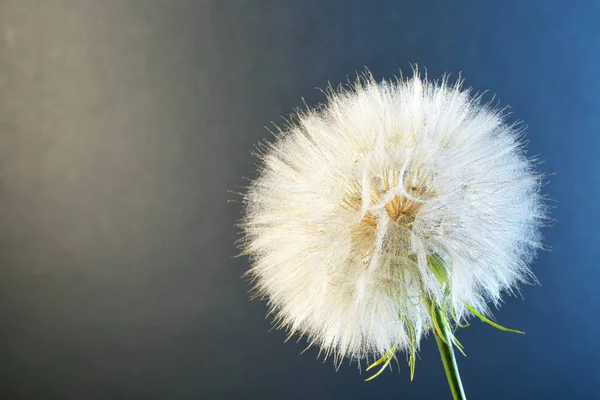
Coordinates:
<point>124,125</point>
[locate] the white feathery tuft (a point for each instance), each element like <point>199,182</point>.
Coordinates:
<point>355,196</point>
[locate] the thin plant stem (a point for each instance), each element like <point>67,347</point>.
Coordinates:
<point>447,355</point>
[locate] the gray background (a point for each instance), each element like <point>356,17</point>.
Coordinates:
<point>123,124</point>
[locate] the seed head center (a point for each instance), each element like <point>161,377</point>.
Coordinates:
<point>402,209</point>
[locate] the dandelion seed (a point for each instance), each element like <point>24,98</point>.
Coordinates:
<point>389,211</point>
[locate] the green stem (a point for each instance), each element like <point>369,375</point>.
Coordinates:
<point>447,355</point>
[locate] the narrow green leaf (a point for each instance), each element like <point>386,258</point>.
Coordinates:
<point>436,327</point>
<point>385,359</point>
<point>437,266</point>
<point>490,322</point>
<point>456,321</point>
<point>446,322</point>
<point>412,349</point>
<point>376,363</point>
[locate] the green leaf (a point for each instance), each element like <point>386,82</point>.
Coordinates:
<point>412,349</point>
<point>438,267</point>
<point>385,360</point>
<point>456,321</point>
<point>492,323</point>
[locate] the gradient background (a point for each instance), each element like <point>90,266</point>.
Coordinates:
<point>124,124</point>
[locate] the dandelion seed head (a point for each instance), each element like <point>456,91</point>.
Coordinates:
<point>354,196</point>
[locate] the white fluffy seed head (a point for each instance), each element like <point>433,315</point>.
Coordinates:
<point>355,196</point>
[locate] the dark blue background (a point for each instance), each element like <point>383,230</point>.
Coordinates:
<point>123,124</point>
